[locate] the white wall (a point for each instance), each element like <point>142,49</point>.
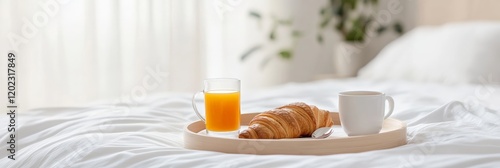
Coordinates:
<point>240,32</point>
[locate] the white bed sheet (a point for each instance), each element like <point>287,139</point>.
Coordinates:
<point>448,126</point>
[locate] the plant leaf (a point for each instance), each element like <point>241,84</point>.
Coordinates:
<point>325,22</point>
<point>354,35</point>
<point>255,14</point>
<point>319,38</point>
<point>354,4</point>
<point>249,52</point>
<point>349,4</point>
<point>398,27</point>
<point>285,22</point>
<point>339,26</point>
<point>381,29</point>
<point>285,54</point>
<point>333,2</point>
<point>339,11</point>
<point>265,61</point>
<point>272,35</point>
<point>357,32</point>
<point>296,34</point>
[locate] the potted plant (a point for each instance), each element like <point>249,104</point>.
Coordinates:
<point>352,20</point>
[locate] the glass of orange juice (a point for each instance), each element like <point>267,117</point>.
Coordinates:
<point>222,106</point>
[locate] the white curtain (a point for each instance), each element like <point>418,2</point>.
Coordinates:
<point>72,52</point>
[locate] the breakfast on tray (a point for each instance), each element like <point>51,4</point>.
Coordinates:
<point>286,129</point>
<point>361,124</point>
<point>290,121</point>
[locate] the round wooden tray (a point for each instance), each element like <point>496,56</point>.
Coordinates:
<point>393,134</point>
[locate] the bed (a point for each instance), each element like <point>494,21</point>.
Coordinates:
<point>450,101</point>
<point>448,126</point>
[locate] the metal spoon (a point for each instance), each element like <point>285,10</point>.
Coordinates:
<point>322,132</point>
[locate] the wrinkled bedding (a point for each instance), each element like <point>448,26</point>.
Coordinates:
<point>448,126</point>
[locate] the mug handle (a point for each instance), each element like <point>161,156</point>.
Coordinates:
<point>391,106</point>
<point>196,108</point>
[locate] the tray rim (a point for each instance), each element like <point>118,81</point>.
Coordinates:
<point>190,138</point>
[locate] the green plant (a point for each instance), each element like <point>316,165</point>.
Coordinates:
<point>351,23</point>
<point>285,53</point>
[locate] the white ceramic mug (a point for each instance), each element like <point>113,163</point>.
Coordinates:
<point>362,112</point>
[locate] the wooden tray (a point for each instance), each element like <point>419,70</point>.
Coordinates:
<point>393,134</point>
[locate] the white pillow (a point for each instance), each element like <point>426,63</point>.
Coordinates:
<point>453,53</point>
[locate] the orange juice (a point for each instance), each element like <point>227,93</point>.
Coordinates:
<point>222,110</point>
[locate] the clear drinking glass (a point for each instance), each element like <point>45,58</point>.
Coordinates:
<point>222,106</point>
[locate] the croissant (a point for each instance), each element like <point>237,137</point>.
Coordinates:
<point>290,121</point>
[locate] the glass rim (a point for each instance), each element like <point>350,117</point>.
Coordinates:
<point>215,79</point>
<point>361,93</point>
